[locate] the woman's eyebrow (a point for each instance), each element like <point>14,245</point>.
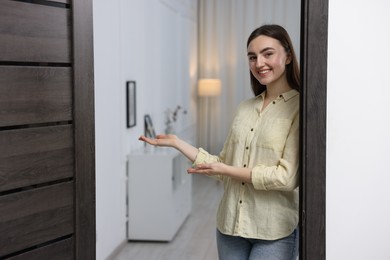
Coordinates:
<point>262,51</point>
<point>266,49</point>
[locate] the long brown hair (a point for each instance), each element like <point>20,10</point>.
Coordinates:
<point>292,69</point>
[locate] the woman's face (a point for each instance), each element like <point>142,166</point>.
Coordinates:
<point>267,60</point>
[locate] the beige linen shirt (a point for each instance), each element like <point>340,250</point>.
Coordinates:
<point>267,142</point>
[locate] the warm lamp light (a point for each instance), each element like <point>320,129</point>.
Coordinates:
<point>209,87</point>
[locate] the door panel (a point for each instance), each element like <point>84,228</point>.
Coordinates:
<point>31,95</point>
<point>62,250</point>
<point>35,216</point>
<point>34,33</point>
<point>60,1</point>
<point>35,155</point>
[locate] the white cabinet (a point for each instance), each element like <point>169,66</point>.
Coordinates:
<point>159,193</point>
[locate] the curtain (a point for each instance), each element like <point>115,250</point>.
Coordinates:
<point>224,27</point>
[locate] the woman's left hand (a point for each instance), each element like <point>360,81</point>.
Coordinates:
<point>218,168</point>
<point>209,169</point>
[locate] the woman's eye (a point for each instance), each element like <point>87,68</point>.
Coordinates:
<point>268,54</point>
<point>252,58</point>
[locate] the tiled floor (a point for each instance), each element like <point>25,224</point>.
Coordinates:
<point>196,238</point>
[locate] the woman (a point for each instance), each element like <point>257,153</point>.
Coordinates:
<point>258,214</point>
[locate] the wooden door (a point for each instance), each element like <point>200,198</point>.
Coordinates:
<point>47,167</point>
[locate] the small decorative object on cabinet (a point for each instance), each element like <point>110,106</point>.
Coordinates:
<point>149,129</point>
<point>158,195</point>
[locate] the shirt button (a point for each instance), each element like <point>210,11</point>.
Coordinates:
<point>273,102</point>
<point>252,129</point>
<point>243,183</point>
<point>247,147</point>
<point>240,201</point>
<point>280,96</point>
<point>244,165</point>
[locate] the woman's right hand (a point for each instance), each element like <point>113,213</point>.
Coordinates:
<point>161,140</point>
<point>173,141</point>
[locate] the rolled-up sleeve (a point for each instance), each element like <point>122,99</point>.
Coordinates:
<point>204,157</point>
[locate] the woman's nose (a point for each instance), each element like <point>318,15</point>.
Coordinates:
<point>259,62</point>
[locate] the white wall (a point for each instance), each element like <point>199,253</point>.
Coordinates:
<point>110,189</point>
<point>358,130</point>
<point>153,42</point>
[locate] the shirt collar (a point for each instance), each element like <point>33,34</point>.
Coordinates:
<point>286,95</point>
<point>289,94</point>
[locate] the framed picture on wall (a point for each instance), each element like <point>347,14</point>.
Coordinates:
<point>131,104</point>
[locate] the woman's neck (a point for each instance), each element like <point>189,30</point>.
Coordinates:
<point>275,89</point>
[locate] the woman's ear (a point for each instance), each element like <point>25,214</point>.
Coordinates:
<point>288,60</point>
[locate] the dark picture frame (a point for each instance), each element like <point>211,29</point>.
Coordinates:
<point>131,115</point>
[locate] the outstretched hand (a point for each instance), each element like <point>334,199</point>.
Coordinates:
<point>209,169</point>
<point>160,140</point>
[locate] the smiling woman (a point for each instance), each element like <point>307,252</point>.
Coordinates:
<point>305,23</point>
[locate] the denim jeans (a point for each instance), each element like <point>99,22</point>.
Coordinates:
<point>239,248</point>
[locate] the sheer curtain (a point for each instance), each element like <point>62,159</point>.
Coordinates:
<point>224,27</point>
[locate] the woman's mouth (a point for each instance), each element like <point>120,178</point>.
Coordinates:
<point>263,72</point>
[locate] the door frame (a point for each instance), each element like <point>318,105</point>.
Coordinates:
<point>314,37</point>
<point>314,33</point>
<point>84,130</point>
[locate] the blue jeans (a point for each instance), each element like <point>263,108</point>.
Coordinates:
<point>239,248</point>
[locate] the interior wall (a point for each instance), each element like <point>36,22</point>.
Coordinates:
<point>110,200</point>
<point>153,42</point>
<point>358,127</point>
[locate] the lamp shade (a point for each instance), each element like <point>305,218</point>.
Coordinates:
<point>209,87</point>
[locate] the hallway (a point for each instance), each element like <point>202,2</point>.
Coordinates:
<point>196,238</point>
